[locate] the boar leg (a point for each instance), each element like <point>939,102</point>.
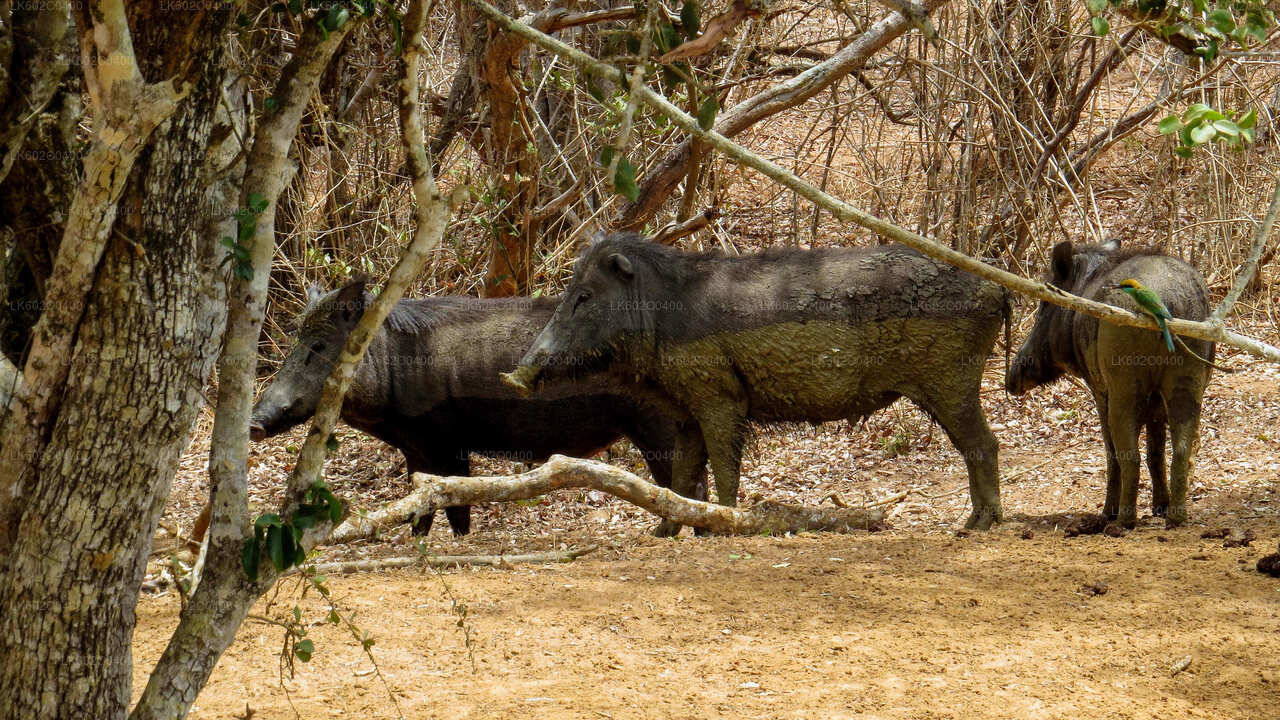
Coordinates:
<point>1111,506</point>
<point>1122,422</point>
<point>683,468</point>
<point>1183,411</point>
<point>1155,464</point>
<point>722,427</point>
<point>457,465</point>
<point>967,428</point>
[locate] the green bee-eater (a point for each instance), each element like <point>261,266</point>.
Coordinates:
<point>1151,303</point>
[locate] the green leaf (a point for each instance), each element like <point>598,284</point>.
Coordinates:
<point>304,521</point>
<point>707,113</point>
<point>304,649</point>
<point>249,558</point>
<point>1195,112</point>
<point>243,20</point>
<point>1095,6</point>
<point>1169,125</point>
<point>297,613</point>
<point>268,520</point>
<point>1183,151</point>
<point>1100,25</point>
<point>335,510</point>
<point>366,7</point>
<point>257,202</point>
<point>275,546</point>
<point>295,6</point>
<point>606,156</point>
<point>1249,120</point>
<point>333,617</point>
<point>670,38</point>
<point>271,104</point>
<point>1203,133</point>
<point>1246,134</point>
<point>336,17</point>
<point>690,20</point>
<point>1222,20</point>
<point>331,444</point>
<point>624,180</point>
<point>1226,127</point>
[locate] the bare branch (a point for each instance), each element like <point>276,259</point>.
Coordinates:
<point>661,181</point>
<point>672,232</point>
<point>718,28</point>
<point>1255,254</point>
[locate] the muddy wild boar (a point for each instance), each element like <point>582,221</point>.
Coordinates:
<point>429,386</point>
<point>787,335</point>
<point>1136,382</point>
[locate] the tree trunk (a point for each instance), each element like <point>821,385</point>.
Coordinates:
<point>140,354</point>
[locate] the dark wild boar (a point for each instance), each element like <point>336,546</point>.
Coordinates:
<point>429,386</point>
<point>788,335</point>
<point>1135,380</point>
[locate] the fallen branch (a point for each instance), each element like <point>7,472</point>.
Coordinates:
<point>448,561</point>
<point>560,473</point>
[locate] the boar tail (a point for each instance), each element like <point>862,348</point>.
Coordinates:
<point>1210,363</point>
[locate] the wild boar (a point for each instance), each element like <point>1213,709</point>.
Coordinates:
<point>1135,380</point>
<point>786,335</point>
<point>428,385</point>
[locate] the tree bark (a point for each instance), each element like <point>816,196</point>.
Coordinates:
<point>134,358</point>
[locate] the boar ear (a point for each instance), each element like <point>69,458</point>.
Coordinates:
<point>350,300</point>
<point>313,294</point>
<point>621,265</point>
<point>1112,244</point>
<point>1063,253</point>
<point>595,236</point>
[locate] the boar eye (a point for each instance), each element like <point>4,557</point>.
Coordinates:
<point>583,296</point>
<point>319,348</point>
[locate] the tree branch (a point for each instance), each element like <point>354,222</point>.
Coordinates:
<point>1213,331</point>
<point>562,473</point>
<point>659,182</point>
<point>1255,254</point>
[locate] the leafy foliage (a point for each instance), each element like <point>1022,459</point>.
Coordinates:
<point>281,539</point>
<point>1201,125</point>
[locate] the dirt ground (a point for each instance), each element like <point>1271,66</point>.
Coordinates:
<point>914,622</point>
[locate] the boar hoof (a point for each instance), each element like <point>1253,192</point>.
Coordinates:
<point>1159,510</point>
<point>1175,516</point>
<point>1127,519</point>
<point>422,523</point>
<point>982,519</point>
<point>667,529</point>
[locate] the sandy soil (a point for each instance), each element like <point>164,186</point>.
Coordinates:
<point>914,622</point>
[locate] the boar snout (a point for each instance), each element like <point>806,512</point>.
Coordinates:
<point>257,433</point>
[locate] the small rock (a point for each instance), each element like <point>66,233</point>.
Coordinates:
<point>962,534</point>
<point>1270,565</point>
<point>1026,534</point>
<point>1179,666</point>
<point>1095,588</point>
<point>1239,538</point>
<point>1215,534</point>
<point>1161,538</point>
